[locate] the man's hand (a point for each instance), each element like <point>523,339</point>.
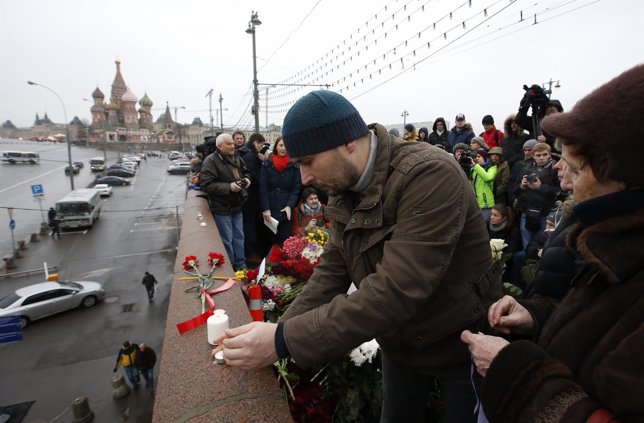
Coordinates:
<point>247,182</point>
<point>266,214</point>
<point>250,346</point>
<point>234,187</point>
<point>507,315</point>
<point>483,348</point>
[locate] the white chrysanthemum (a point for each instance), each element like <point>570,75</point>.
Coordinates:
<point>365,352</point>
<point>268,305</point>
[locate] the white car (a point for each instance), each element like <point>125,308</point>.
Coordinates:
<point>104,189</point>
<point>44,299</point>
<point>179,168</point>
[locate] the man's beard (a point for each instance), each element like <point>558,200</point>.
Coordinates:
<point>344,177</point>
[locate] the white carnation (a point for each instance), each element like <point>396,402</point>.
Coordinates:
<point>365,352</point>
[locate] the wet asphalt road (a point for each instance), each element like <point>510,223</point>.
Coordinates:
<point>72,354</point>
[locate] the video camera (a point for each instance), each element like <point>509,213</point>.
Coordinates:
<point>466,155</point>
<point>264,148</point>
<point>535,96</point>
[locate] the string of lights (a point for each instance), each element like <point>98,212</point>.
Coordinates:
<point>397,59</point>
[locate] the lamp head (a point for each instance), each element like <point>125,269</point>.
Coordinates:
<point>31,83</point>
<point>250,29</point>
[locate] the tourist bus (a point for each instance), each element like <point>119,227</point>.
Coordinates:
<point>79,208</point>
<point>97,164</point>
<point>20,157</point>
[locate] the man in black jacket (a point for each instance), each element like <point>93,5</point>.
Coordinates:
<point>253,154</point>
<point>224,177</point>
<point>144,361</point>
<point>149,281</point>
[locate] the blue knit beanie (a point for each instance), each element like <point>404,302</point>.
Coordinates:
<point>321,121</point>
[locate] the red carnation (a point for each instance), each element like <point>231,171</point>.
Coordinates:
<point>190,262</point>
<point>216,258</point>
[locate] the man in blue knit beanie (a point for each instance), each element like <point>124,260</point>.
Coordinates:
<point>399,214</point>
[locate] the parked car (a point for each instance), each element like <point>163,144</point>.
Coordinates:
<point>120,172</point>
<point>104,189</point>
<point>75,170</point>
<point>179,168</point>
<point>123,166</point>
<point>79,165</point>
<point>113,180</point>
<point>44,299</point>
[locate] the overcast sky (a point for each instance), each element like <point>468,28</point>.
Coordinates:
<point>405,55</point>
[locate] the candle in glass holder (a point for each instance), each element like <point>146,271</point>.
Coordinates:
<point>217,324</point>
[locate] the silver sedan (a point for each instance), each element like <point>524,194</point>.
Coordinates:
<point>44,299</point>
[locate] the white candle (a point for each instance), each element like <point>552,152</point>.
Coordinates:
<point>217,324</point>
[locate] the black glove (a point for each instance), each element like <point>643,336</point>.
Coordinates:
<point>114,370</point>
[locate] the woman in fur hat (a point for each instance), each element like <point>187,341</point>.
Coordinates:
<point>587,361</point>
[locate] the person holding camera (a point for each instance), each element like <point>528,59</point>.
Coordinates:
<point>482,175</point>
<point>225,178</point>
<point>253,154</point>
<point>279,190</point>
<point>536,193</point>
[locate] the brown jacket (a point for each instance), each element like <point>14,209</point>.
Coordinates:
<point>416,247</point>
<point>590,351</point>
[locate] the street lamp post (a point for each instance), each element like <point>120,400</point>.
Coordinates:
<point>212,126</point>
<point>254,21</point>
<point>176,121</point>
<point>404,115</point>
<point>69,146</point>
<point>221,113</point>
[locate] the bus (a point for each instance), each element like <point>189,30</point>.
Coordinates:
<point>97,164</point>
<point>79,208</point>
<point>14,157</point>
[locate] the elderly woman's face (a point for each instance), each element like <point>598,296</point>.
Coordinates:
<point>584,184</point>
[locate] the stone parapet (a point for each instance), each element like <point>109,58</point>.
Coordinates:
<point>191,388</point>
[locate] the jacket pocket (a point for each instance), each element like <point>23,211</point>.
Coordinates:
<point>440,318</point>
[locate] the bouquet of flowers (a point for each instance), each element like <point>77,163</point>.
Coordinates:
<point>287,271</point>
<point>204,280</point>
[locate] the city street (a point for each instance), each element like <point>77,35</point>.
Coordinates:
<point>72,354</point>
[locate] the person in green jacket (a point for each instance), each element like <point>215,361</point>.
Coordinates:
<point>482,176</point>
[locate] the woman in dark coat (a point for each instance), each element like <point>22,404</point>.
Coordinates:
<point>440,135</point>
<point>587,361</point>
<point>280,185</point>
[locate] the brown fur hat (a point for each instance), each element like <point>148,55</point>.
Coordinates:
<point>606,128</point>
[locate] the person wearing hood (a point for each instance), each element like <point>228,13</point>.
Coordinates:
<point>512,142</point>
<point>409,133</point>
<point>461,132</point>
<point>423,134</point>
<point>491,135</point>
<point>440,135</point>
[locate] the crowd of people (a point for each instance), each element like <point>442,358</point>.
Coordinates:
<point>568,201</point>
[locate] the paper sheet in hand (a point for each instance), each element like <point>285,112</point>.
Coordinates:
<point>271,224</point>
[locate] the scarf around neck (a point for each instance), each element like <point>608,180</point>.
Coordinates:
<point>280,163</point>
<point>311,211</point>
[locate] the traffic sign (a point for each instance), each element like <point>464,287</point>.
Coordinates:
<point>37,191</point>
<point>10,330</point>
<point>12,224</point>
